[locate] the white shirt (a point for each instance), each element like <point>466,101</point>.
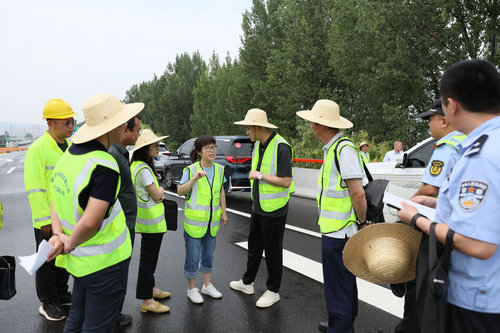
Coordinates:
<point>392,155</point>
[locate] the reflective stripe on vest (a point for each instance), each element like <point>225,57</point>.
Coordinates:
<point>271,197</point>
<point>111,243</point>
<point>202,208</point>
<point>334,203</point>
<point>150,214</point>
<point>452,141</point>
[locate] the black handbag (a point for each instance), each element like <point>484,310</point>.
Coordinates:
<point>433,263</point>
<point>7,277</point>
<point>170,214</point>
<point>374,193</point>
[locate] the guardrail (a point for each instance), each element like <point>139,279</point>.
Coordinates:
<point>11,149</point>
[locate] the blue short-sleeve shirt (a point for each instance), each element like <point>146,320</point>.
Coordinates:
<point>442,161</point>
<point>468,201</point>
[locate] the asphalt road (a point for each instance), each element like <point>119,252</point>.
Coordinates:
<point>302,304</point>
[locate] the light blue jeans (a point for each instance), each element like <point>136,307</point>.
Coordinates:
<point>199,255</point>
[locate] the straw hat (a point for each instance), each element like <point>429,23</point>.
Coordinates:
<point>365,143</point>
<point>256,117</point>
<point>383,253</point>
<point>146,138</point>
<point>103,113</point>
<point>327,113</point>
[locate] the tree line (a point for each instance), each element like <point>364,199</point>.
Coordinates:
<point>381,61</point>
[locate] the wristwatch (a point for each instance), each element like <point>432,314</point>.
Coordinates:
<point>259,176</point>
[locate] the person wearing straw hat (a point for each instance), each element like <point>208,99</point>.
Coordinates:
<point>468,198</point>
<point>205,210</point>
<point>127,194</point>
<point>41,158</point>
<point>445,154</point>
<point>272,184</point>
<point>150,222</point>
<point>342,208</point>
<point>91,240</point>
<point>363,151</point>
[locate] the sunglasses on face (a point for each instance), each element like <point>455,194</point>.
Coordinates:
<point>66,123</point>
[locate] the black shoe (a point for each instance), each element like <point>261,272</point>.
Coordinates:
<point>323,326</point>
<point>65,299</point>
<point>52,311</point>
<point>124,319</point>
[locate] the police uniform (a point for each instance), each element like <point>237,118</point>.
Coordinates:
<point>468,202</point>
<point>337,221</point>
<point>443,159</point>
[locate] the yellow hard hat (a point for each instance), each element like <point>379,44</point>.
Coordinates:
<point>57,109</point>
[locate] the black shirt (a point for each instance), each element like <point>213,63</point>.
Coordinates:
<point>284,169</point>
<point>103,181</point>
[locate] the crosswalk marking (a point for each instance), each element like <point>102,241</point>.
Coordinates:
<point>10,170</point>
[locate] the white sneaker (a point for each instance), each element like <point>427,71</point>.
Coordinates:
<point>240,286</point>
<point>268,299</point>
<point>194,296</point>
<point>211,291</point>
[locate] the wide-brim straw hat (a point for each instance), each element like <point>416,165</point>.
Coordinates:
<point>146,138</point>
<point>365,143</point>
<point>256,117</point>
<point>383,253</point>
<point>327,113</point>
<point>103,113</point>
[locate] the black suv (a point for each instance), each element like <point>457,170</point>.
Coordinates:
<point>233,152</point>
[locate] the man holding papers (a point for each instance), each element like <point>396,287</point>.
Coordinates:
<point>469,196</point>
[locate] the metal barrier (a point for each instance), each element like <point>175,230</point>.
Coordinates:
<point>11,149</point>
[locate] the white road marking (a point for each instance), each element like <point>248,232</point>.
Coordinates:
<point>370,293</point>
<point>10,170</point>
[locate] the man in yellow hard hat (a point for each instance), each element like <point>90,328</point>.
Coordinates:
<point>41,158</point>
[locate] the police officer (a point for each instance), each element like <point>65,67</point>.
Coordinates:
<point>87,219</point>
<point>342,208</point>
<point>41,158</point>
<point>271,181</point>
<point>443,159</point>
<point>468,198</point>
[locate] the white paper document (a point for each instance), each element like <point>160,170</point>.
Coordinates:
<point>395,201</point>
<point>33,262</point>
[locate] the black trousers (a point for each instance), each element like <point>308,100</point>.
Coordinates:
<point>150,249</point>
<point>460,320</point>
<point>409,323</point>
<point>51,281</point>
<point>266,234</point>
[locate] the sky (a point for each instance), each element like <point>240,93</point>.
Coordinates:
<point>76,49</point>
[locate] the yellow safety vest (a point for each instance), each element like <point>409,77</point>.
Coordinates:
<point>365,157</point>
<point>271,197</point>
<point>41,159</point>
<point>335,206</point>
<point>1,215</point>
<point>111,244</point>
<point>202,208</point>
<point>150,214</point>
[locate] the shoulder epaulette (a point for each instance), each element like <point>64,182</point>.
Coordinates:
<point>477,146</point>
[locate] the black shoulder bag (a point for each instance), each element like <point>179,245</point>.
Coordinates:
<point>170,214</point>
<point>7,277</point>
<point>433,263</point>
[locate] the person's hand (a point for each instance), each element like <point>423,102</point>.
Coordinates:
<point>68,245</point>
<point>407,212</point>
<point>162,189</point>
<point>253,174</point>
<point>57,247</point>
<point>46,230</point>
<point>223,219</point>
<point>425,200</point>
<point>200,174</point>
<point>364,225</point>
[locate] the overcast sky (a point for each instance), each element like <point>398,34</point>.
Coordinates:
<point>75,49</point>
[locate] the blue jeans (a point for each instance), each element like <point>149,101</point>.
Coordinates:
<point>199,254</point>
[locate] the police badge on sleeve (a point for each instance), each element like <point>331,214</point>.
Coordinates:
<point>472,194</point>
<point>436,167</point>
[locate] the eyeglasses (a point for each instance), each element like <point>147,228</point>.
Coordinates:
<point>66,123</point>
<point>214,147</point>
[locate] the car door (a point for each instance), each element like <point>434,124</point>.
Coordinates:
<point>182,159</point>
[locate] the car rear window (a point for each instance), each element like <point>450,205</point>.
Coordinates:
<point>229,147</point>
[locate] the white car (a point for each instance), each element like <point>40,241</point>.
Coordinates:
<point>404,174</point>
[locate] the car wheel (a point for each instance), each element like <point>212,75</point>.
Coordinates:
<point>169,179</point>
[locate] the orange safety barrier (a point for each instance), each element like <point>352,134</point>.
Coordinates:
<point>11,149</point>
<point>307,160</point>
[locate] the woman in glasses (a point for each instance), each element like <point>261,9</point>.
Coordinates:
<point>150,222</point>
<point>205,209</point>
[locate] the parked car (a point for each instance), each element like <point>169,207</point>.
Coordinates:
<point>163,156</point>
<point>233,152</point>
<point>404,174</point>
